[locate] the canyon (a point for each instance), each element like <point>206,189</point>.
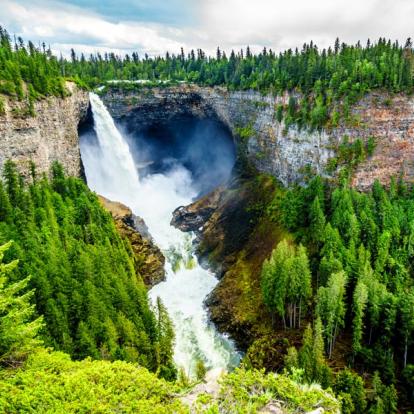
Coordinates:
<point>285,153</point>
<point>52,135</point>
<point>262,144</point>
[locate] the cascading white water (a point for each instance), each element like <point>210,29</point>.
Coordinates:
<point>111,172</point>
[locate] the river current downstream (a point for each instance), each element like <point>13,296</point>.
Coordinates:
<point>111,171</point>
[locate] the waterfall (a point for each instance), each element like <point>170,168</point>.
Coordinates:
<point>116,176</point>
<point>110,171</point>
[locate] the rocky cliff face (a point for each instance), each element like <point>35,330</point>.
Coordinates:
<point>149,261</point>
<point>51,135</point>
<point>272,148</point>
<point>234,236</point>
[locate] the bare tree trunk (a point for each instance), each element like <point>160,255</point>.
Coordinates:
<point>294,315</point>
<point>405,351</point>
<point>335,332</point>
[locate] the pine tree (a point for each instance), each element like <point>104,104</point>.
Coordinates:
<point>317,221</point>
<point>331,307</point>
<point>166,338</point>
<point>18,328</point>
<point>406,305</point>
<point>359,304</point>
<point>286,282</point>
<point>350,383</point>
<point>311,356</point>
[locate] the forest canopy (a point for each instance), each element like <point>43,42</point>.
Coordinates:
<point>82,272</point>
<point>323,83</point>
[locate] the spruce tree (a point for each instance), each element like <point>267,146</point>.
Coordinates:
<point>331,307</point>
<point>18,327</point>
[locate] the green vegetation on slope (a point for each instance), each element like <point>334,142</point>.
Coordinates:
<point>249,391</point>
<point>93,302</point>
<point>359,253</point>
<point>305,301</point>
<point>39,69</point>
<point>40,381</point>
<point>52,383</point>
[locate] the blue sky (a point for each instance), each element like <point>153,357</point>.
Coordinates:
<point>174,12</point>
<point>155,26</point>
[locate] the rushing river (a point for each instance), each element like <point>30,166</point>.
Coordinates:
<point>111,171</point>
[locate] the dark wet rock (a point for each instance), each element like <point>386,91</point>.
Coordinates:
<point>194,216</point>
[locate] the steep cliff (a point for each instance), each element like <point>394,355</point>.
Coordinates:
<point>51,135</point>
<point>268,144</point>
<point>234,236</point>
<point>149,261</point>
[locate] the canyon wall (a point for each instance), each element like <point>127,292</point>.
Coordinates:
<point>148,259</point>
<point>51,135</point>
<point>271,147</point>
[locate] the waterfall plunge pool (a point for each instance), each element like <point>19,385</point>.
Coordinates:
<point>176,175</point>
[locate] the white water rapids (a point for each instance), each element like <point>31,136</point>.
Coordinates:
<point>110,171</point>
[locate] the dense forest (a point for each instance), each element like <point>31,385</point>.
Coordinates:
<point>323,83</point>
<point>34,379</point>
<point>345,277</point>
<point>350,267</point>
<point>86,289</point>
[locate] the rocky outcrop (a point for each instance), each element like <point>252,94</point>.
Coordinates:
<point>51,135</point>
<point>194,216</point>
<point>233,240</point>
<point>149,261</point>
<point>271,147</point>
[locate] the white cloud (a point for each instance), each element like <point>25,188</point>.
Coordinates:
<point>68,25</point>
<point>278,24</point>
<point>289,23</point>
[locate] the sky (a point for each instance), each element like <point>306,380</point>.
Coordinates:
<point>157,26</point>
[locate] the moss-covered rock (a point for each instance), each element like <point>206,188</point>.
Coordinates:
<point>233,240</point>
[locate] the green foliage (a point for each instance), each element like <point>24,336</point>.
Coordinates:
<point>331,307</point>
<point>286,282</point>
<point>18,330</point>
<point>351,153</point>
<point>317,221</point>
<point>165,342</point>
<point>52,383</point>
<point>247,391</point>
<point>384,398</point>
<point>311,356</point>
<point>93,302</point>
<point>182,378</point>
<point>359,305</point>
<point>348,384</point>
<point>201,370</point>
<point>38,68</point>
<point>245,132</point>
<point>323,84</point>
<point>369,238</point>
